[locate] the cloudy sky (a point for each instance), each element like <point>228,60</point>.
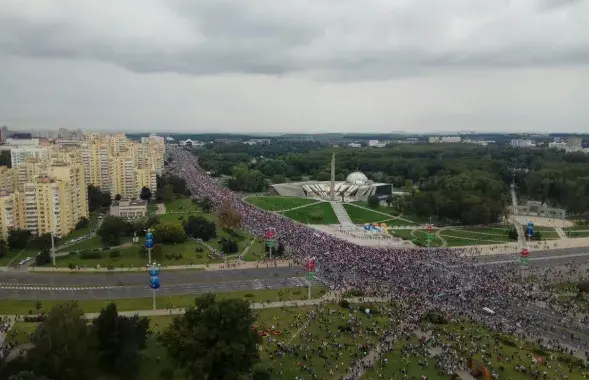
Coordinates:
<point>295,65</point>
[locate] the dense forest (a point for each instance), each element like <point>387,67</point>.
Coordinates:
<point>461,182</point>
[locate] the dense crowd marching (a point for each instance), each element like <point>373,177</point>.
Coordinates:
<point>437,279</point>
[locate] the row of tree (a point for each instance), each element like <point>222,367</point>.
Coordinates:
<point>452,179</point>
<point>213,340</point>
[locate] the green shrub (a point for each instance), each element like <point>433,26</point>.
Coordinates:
<point>344,304</point>
<point>90,255</point>
<point>115,254</point>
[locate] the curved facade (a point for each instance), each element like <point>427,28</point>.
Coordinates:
<point>357,178</point>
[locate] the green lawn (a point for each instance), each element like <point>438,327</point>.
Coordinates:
<point>418,237</point>
<point>486,231</point>
<point>183,204</point>
<point>577,234</point>
<point>11,307</point>
<point>278,203</point>
<point>321,344</point>
<point>13,256</point>
<point>389,210</point>
<point>130,256</point>
<point>363,216</point>
<point>399,222</point>
<point>476,236</point>
<point>319,213</point>
<point>397,362</point>
<point>91,243</point>
<point>83,231</point>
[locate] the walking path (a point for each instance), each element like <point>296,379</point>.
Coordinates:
<point>341,214</point>
<point>161,209</point>
<point>298,207</point>
<point>561,233</point>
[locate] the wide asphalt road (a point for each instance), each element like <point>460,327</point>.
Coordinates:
<point>135,278</point>
<point>19,292</point>
<point>553,257</point>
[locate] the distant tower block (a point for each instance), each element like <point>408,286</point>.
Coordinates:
<point>332,189</point>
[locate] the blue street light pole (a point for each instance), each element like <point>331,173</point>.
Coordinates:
<point>149,244</point>
<point>154,280</point>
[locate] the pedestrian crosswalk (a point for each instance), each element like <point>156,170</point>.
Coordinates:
<point>50,287</point>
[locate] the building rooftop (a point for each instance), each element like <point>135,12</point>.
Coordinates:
<point>136,202</point>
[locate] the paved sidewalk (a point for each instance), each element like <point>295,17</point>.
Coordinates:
<point>328,298</point>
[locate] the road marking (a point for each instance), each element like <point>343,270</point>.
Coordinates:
<point>572,255</point>
<point>48,287</point>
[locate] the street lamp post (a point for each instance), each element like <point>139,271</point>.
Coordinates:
<point>154,280</point>
<point>149,244</point>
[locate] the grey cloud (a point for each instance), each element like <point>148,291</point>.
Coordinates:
<point>350,39</point>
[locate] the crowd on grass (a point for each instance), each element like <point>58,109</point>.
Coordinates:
<point>424,279</point>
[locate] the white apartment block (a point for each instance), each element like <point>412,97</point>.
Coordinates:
<point>521,143</point>
<point>20,154</point>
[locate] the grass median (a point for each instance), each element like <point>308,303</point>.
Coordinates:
<point>20,307</point>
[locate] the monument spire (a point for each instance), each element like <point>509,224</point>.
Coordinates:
<point>332,189</point>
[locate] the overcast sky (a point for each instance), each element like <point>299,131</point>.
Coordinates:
<point>295,65</point>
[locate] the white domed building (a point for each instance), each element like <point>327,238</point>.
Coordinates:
<point>356,187</point>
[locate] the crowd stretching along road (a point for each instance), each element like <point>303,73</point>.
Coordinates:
<point>419,280</point>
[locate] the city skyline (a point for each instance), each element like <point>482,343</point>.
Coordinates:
<point>257,67</point>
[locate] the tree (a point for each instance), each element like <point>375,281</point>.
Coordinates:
<point>5,158</point>
<point>229,217</point>
<point>229,246</point>
<point>63,345</point>
<point>82,223</point>
<point>120,341</point>
<point>3,248</point>
<point>206,204</point>
<point>44,257</point>
<point>27,375</point>
<point>261,373</point>
<point>111,230</point>
<point>145,193</point>
<point>168,193</point>
<point>97,198</point>
<point>118,197</point>
<point>214,340</point>
<point>167,232</point>
<point>157,252</point>
<point>42,242</point>
<point>199,228</point>
<point>373,201</point>
<point>18,238</point>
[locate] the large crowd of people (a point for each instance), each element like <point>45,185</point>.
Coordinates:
<point>437,279</point>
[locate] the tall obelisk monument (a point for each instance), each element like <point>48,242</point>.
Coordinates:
<point>332,189</point>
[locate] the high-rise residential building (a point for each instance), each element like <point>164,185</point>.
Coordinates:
<point>121,166</point>
<point>76,189</point>
<point>8,213</point>
<point>7,179</point>
<point>50,206</point>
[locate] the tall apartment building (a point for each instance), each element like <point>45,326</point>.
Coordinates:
<point>49,206</point>
<point>121,166</point>
<point>7,179</point>
<point>76,189</point>
<point>8,213</point>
